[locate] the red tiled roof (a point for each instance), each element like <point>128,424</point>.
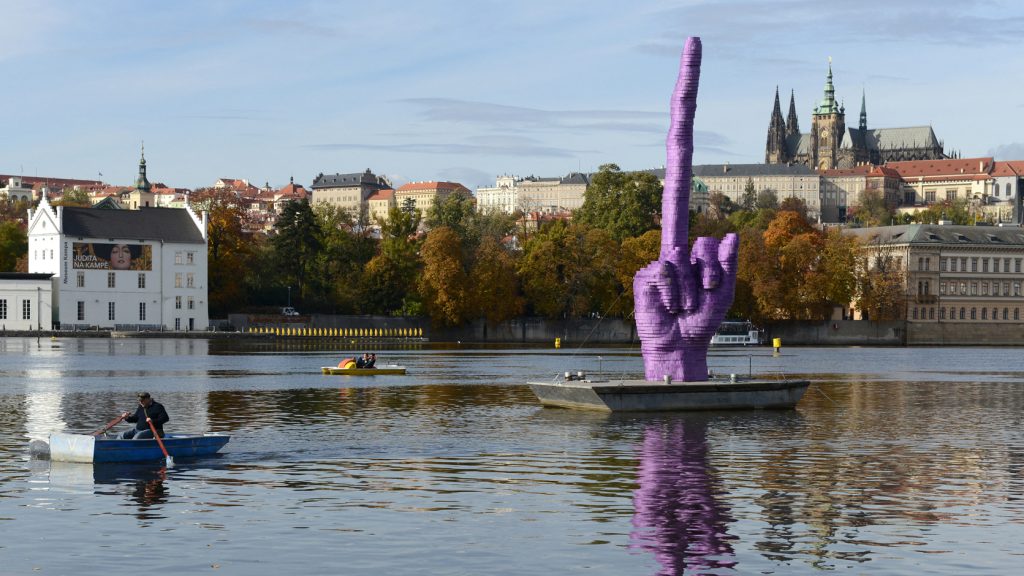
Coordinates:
<point>52,182</point>
<point>945,167</point>
<point>452,186</point>
<point>1008,168</point>
<point>385,194</point>
<point>293,190</point>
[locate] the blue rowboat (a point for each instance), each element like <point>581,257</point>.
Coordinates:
<point>89,448</point>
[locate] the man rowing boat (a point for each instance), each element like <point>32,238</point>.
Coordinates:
<point>148,411</point>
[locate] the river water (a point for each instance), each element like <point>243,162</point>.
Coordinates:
<point>897,461</point>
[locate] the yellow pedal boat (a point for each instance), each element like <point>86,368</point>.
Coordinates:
<point>376,371</point>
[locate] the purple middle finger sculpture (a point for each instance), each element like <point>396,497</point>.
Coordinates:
<point>682,297</point>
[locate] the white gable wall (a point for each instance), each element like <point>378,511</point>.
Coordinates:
<point>173,295</point>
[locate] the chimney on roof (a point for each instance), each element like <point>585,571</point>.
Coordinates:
<point>981,165</point>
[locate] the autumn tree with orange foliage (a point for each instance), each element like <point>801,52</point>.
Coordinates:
<point>796,272</point>
<point>230,248</point>
<point>444,281</point>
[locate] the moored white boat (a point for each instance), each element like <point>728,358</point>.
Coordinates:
<point>736,334</point>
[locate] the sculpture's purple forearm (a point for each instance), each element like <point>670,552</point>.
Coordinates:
<point>679,147</point>
<point>681,298</point>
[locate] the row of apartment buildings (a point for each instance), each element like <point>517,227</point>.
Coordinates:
<point>373,195</point>
<point>961,284</point>
<point>993,189</point>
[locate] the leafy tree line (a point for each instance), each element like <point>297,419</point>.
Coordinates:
<point>454,264</point>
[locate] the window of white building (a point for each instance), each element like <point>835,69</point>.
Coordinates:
<point>110,280</point>
<point>110,310</point>
<point>142,311</point>
<point>81,310</point>
<point>142,280</point>
<point>80,280</point>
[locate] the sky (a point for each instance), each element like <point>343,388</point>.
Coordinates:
<point>466,91</point>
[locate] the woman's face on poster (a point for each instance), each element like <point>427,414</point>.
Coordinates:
<point>120,257</point>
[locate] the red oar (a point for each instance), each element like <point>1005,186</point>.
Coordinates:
<point>109,425</point>
<point>170,461</point>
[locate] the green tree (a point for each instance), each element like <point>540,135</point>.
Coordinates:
<point>77,197</point>
<point>625,204</point>
<point>455,211</point>
<point>389,281</point>
<point>493,284</point>
<point>767,199</point>
<point>409,205</point>
<point>296,244</point>
<point>871,209</point>
<point>568,271</point>
<point>956,211</point>
<point>13,245</point>
<point>16,210</point>
<point>346,248</point>
<point>749,200</point>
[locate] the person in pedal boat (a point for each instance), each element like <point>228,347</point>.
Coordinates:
<point>148,410</point>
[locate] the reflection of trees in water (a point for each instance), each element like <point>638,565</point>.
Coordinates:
<point>678,516</point>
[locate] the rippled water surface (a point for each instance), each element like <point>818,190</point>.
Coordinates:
<point>897,461</point>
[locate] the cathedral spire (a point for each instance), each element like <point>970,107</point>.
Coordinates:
<point>142,183</point>
<point>863,111</point>
<point>792,124</point>
<point>775,149</point>
<point>828,105</point>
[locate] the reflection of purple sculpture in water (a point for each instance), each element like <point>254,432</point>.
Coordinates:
<point>677,516</point>
<point>681,298</point>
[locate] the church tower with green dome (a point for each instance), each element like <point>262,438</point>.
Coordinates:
<point>828,124</point>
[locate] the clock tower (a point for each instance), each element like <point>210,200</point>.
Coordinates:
<point>827,128</point>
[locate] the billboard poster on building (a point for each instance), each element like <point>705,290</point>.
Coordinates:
<point>101,256</point>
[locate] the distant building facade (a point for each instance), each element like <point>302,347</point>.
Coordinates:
<point>502,197</point>
<point>552,195</point>
<point>532,194</point>
<point>424,195</point>
<point>731,180</point>
<point>832,144</point>
<point>348,192</point>
<point>380,204</point>
<point>953,274</point>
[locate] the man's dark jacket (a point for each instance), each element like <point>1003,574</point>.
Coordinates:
<point>156,412</point>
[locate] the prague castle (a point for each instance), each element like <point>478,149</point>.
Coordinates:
<point>832,144</point>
